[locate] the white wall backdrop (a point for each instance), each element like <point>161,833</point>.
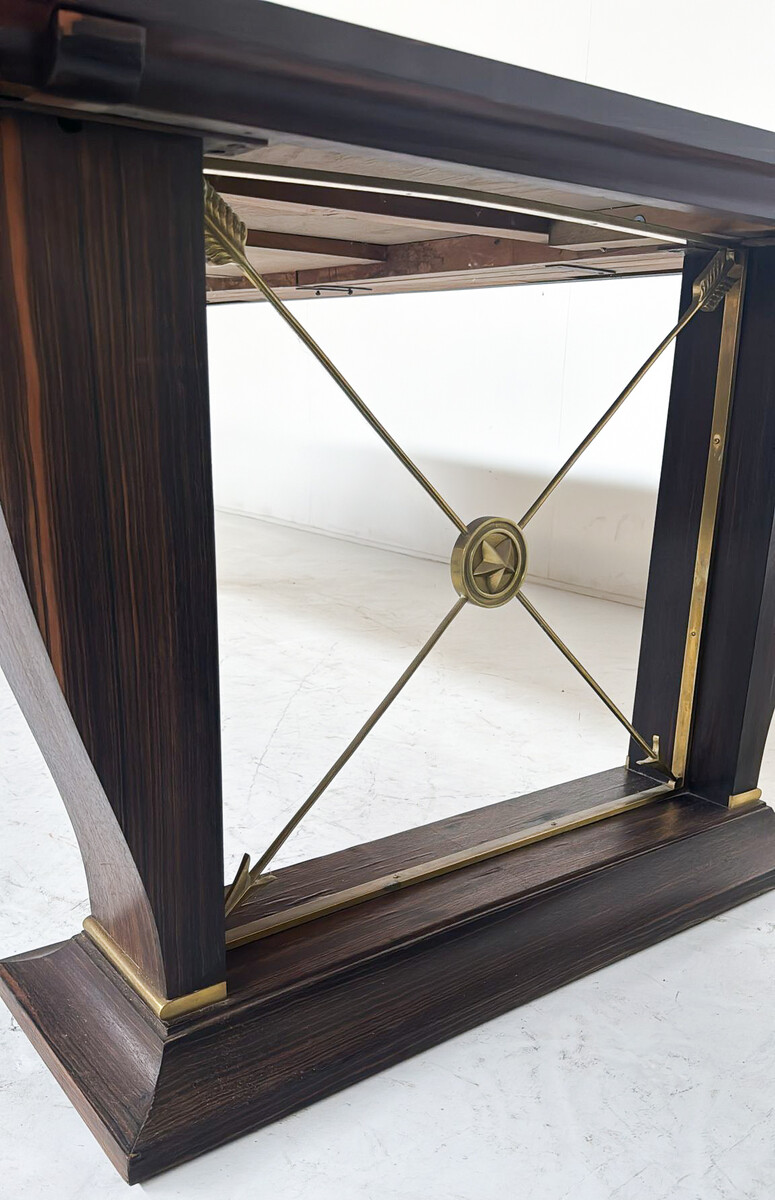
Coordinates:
<point>489,389</point>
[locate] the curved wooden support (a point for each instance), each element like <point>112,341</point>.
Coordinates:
<point>106,490</point>
<point>116,893</point>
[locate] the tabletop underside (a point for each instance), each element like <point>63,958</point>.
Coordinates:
<point>335,108</point>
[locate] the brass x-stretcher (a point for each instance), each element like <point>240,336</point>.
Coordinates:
<point>489,559</point>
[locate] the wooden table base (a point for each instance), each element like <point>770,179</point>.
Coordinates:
<point>319,1007</point>
<point>108,610</point>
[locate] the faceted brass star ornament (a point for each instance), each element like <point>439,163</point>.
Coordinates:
<point>489,561</point>
<point>494,563</point>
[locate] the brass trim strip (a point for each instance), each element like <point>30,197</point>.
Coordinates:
<point>745,799</point>
<point>324,906</point>
<point>163,1008</point>
<point>443,191</point>
<point>722,403</point>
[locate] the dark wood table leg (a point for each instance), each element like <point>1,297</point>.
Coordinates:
<point>105,488</point>
<point>736,684</point>
<point>734,691</point>
<point>108,636</point>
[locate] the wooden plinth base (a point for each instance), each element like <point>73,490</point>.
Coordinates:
<point>315,1008</point>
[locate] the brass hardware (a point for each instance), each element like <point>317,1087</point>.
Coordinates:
<point>712,285</point>
<point>323,906</point>
<point>164,1009</point>
<point>243,886</point>
<point>745,799</point>
<point>443,191</point>
<point>225,238</point>
<point>708,289</point>
<point>489,562</point>
<point>347,753</point>
<point>489,559</point>
<point>584,673</point>
<point>729,285</point>
<point>653,757</point>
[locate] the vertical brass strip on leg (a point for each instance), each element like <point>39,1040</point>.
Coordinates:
<point>725,379</point>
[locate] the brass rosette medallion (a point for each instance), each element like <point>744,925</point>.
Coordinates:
<point>489,562</point>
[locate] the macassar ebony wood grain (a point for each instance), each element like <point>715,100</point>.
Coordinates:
<point>105,484</point>
<point>677,522</point>
<point>735,692</point>
<point>115,887</point>
<point>736,682</point>
<point>306,1016</point>
<point>105,491</point>
<point>264,67</point>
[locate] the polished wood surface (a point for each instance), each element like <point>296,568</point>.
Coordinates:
<point>108,622</point>
<point>306,1015</point>
<point>105,484</point>
<point>358,864</point>
<point>736,684</point>
<point>116,889</point>
<point>269,87</point>
<point>677,522</point>
<point>735,693</point>
<point>264,67</point>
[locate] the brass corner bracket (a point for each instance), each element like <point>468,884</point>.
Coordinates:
<point>745,799</point>
<point>160,1006</point>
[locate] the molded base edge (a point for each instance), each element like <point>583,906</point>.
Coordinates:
<point>303,1019</point>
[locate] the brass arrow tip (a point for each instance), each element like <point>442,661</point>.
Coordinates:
<point>225,234</point>
<point>243,885</point>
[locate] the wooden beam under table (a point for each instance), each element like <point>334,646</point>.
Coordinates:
<point>390,206</point>
<point>457,262</point>
<point>270,239</point>
<point>434,257</point>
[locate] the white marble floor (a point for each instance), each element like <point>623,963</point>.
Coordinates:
<point>651,1080</point>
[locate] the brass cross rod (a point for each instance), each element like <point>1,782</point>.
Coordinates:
<point>585,675</point>
<point>225,238</point>
<point>708,290</point>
